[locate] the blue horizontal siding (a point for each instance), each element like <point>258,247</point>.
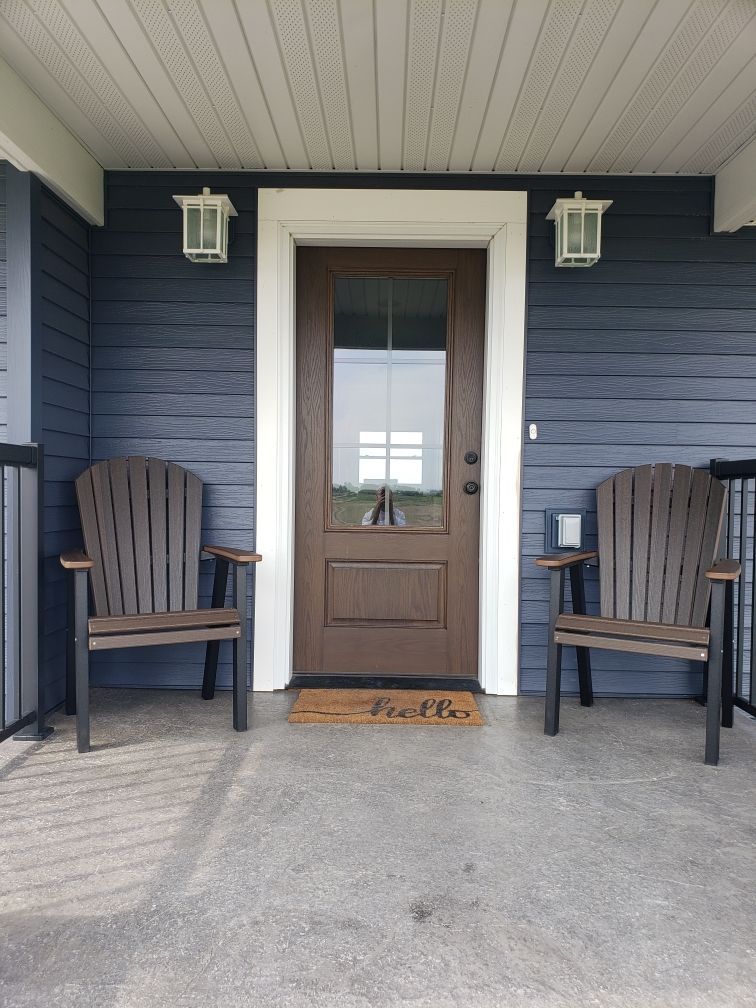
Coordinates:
<point>650,355</point>
<point>173,376</point>
<point>64,292</point>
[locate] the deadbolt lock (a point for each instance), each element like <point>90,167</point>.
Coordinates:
<point>471,457</point>
<point>471,487</point>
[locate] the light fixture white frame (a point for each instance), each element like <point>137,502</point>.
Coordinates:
<point>560,213</point>
<point>224,208</point>
<point>420,218</point>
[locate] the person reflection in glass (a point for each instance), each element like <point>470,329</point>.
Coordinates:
<point>377,515</point>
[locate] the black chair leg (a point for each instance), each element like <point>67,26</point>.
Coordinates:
<point>81,660</point>
<point>577,587</point>
<point>728,707</point>
<point>213,647</point>
<point>70,707</point>
<point>554,660</point>
<point>714,692</point>
<point>240,651</point>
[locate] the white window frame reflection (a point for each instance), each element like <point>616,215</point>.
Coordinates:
<point>381,461</point>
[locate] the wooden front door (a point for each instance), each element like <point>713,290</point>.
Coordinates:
<point>389,391</point>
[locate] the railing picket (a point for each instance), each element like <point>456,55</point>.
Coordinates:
<point>742,541</point>
<point>743,610</point>
<point>20,608</point>
<point>752,663</point>
<point>3,574</point>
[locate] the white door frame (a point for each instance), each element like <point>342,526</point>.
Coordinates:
<point>421,218</point>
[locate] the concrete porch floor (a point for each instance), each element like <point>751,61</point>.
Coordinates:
<point>182,865</point>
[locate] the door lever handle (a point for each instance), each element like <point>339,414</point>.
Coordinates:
<point>471,487</point>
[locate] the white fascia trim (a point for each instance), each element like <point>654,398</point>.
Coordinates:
<point>735,190</point>
<point>32,139</point>
<point>360,217</point>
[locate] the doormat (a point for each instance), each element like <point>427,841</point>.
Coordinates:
<point>386,707</point>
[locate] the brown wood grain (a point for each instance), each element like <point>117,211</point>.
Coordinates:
<point>403,648</point>
<point>379,592</point>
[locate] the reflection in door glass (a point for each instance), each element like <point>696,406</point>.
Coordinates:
<point>389,391</point>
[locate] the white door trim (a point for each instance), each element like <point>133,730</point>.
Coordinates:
<point>425,218</point>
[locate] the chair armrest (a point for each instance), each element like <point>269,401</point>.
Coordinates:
<point>234,556</point>
<point>76,560</point>
<point>557,561</point>
<point>724,570</point>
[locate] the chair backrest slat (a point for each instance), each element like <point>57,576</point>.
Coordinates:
<point>641,540</point>
<point>712,529</point>
<point>176,532</point>
<point>659,531</point>
<point>119,487</point>
<point>660,501</point>
<point>88,515</point>
<point>678,522</point>
<point>140,512</point>
<point>623,518</point>
<point>108,547</point>
<point>158,522</point>
<point>699,495</point>
<point>192,539</point>
<point>605,509</point>
<point>141,520</point>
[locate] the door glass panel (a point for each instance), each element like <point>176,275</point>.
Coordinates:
<point>389,394</point>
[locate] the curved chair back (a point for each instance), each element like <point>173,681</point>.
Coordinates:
<point>141,521</point>
<point>658,532</point>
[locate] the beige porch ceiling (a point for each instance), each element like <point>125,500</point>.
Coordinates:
<point>604,86</point>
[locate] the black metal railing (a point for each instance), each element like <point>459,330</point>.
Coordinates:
<point>739,542</point>
<point>21,474</point>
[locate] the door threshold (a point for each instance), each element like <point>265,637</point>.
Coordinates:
<point>309,680</point>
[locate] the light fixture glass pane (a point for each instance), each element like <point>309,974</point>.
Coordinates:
<point>193,221</point>
<point>209,224</point>
<point>591,232</point>
<point>574,231</point>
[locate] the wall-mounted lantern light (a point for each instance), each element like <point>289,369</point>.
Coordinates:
<point>206,225</point>
<point>578,230</point>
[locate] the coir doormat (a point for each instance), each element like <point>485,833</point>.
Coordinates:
<point>384,707</point>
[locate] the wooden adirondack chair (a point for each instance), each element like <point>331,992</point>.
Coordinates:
<point>658,535</point>
<point>141,519</point>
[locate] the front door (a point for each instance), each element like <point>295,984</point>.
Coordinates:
<point>389,392</point>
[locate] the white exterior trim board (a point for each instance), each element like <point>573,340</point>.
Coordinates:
<point>360,217</point>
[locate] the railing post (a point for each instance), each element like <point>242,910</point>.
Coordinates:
<point>31,601</point>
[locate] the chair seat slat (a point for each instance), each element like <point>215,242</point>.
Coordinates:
<point>163,621</point>
<point>633,628</point>
<point>184,636</point>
